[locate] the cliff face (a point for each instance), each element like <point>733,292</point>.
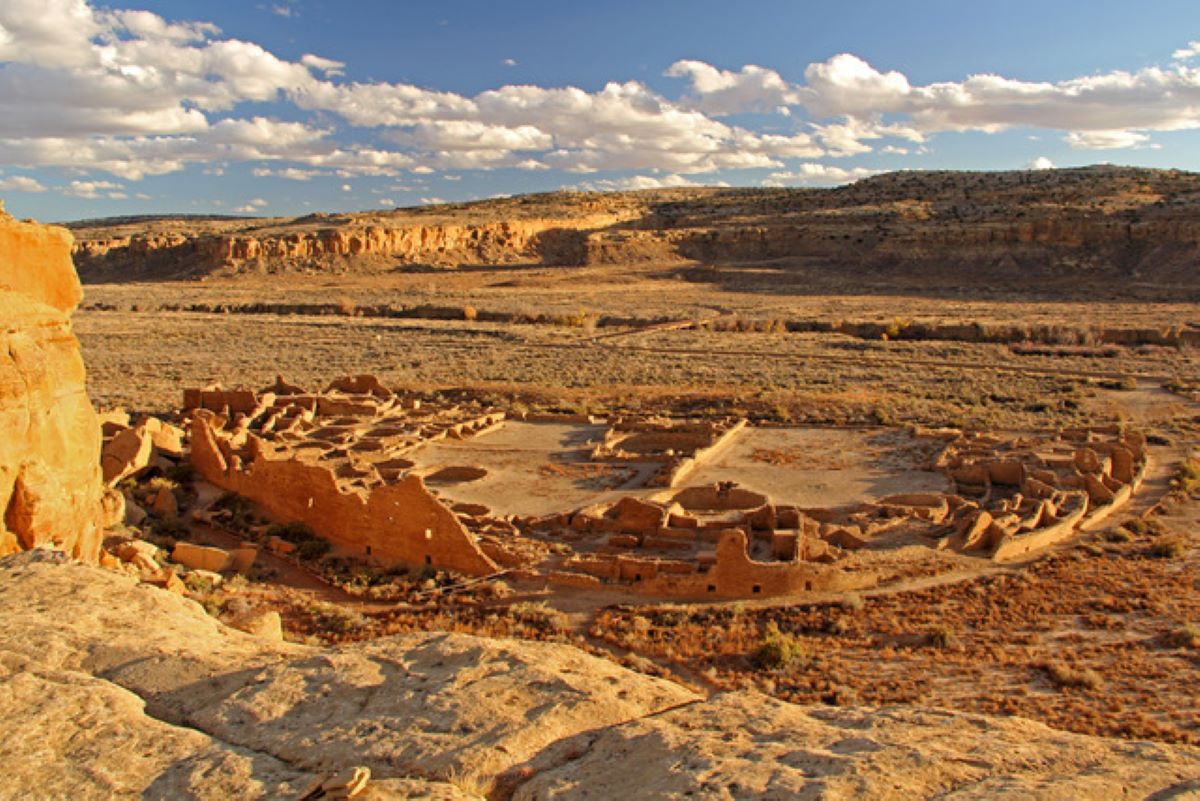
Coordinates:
<point>504,242</point>
<point>50,483</point>
<point>1104,223</point>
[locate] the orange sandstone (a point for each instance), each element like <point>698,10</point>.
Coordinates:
<point>51,492</point>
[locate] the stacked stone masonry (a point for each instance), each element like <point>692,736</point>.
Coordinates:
<point>341,461</point>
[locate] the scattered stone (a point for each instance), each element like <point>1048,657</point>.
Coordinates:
<point>135,515</point>
<point>126,454</point>
<point>165,437</point>
<point>261,623</point>
<point>165,504</point>
<point>242,559</point>
<point>201,557</point>
<point>167,579</point>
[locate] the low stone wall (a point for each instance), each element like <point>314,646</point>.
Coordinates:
<point>394,523</point>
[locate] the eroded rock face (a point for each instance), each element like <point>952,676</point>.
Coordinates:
<point>50,483</point>
<point>111,689</point>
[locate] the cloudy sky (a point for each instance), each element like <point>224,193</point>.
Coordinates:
<point>290,106</point>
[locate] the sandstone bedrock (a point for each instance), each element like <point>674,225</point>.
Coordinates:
<point>51,490</point>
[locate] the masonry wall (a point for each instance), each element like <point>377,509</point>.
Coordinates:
<point>396,523</point>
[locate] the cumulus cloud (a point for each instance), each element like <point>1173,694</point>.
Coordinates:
<point>717,91</point>
<point>325,65</point>
<point>252,206</point>
<point>1105,140</point>
<point>639,182</point>
<point>290,173</point>
<point>1040,163</point>
<point>134,94</point>
<point>1187,53</point>
<point>90,189</point>
<point>20,183</point>
<point>814,174</point>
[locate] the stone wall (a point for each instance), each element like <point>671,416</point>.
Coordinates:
<point>394,523</point>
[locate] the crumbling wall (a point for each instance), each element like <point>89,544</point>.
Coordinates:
<point>51,492</point>
<point>398,523</point>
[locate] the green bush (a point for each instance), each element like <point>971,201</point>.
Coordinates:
<point>310,550</point>
<point>296,533</point>
<point>779,651</point>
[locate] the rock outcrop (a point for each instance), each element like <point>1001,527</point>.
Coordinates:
<point>1050,231</point>
<point>115,690</point>
<point>51,490</point>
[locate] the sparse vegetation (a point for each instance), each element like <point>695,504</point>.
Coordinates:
<point>1064,675</point>
<point>779,651</point>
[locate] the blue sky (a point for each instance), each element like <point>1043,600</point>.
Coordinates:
<point>289,106</point>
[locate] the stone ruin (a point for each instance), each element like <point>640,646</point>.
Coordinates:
<point>342,462</point>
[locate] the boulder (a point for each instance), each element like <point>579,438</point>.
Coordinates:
<point>135,515</point>
<point>201,557</point>
<point>165,504</point>
<point>264,623</point>
<point>166,579</point>
<point>51,489</point>
<point>165,437</point>
<point>242,559</point>
<point>634,514</point>
<point>126,454</point>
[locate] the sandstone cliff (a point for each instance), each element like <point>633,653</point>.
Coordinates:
<point>929,229</point>
<point>111,690</point>
<point>50,482</point>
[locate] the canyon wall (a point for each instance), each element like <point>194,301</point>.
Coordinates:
<point>51,490</point>
<point>1063,227</point>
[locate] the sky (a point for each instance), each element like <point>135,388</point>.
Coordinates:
<point>286,107</point>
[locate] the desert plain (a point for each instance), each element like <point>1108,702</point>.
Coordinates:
<point>888,490</point>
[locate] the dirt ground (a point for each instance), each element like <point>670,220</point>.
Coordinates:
<point>1098,636</point>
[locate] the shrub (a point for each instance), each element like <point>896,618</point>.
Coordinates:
<point>943,637</point>
<point>1143,526</point>
<point>311,550</point>
<point>1185,636</point>
<point>1067,676</point>
<point>1187,480</point>
<point>295,532</point>
<point>779,651</point>
<point>1168,546</point>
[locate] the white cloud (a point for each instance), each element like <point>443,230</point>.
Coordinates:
<point>1187,53</point>
<point>90,189</point>
<point>1105,140</point>
<point>847,85</point>
<point>814,174</point>
<point>327,66</point>
<point>716,91</point>
<point>432,201</point>
<point>282,10</point>
<point>386,201</point>
<point>20,183</point>
<point>134,94</point>
<point>347,188</point>
<point>252,206</point>
<point>290,173</point>
<point>509,62</point>
<point>1040,163</point>
<point>639,182</point>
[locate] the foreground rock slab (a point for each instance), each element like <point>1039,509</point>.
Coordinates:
<point>111,689</point>
<point>748,746</point>
<point>50,487</point>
